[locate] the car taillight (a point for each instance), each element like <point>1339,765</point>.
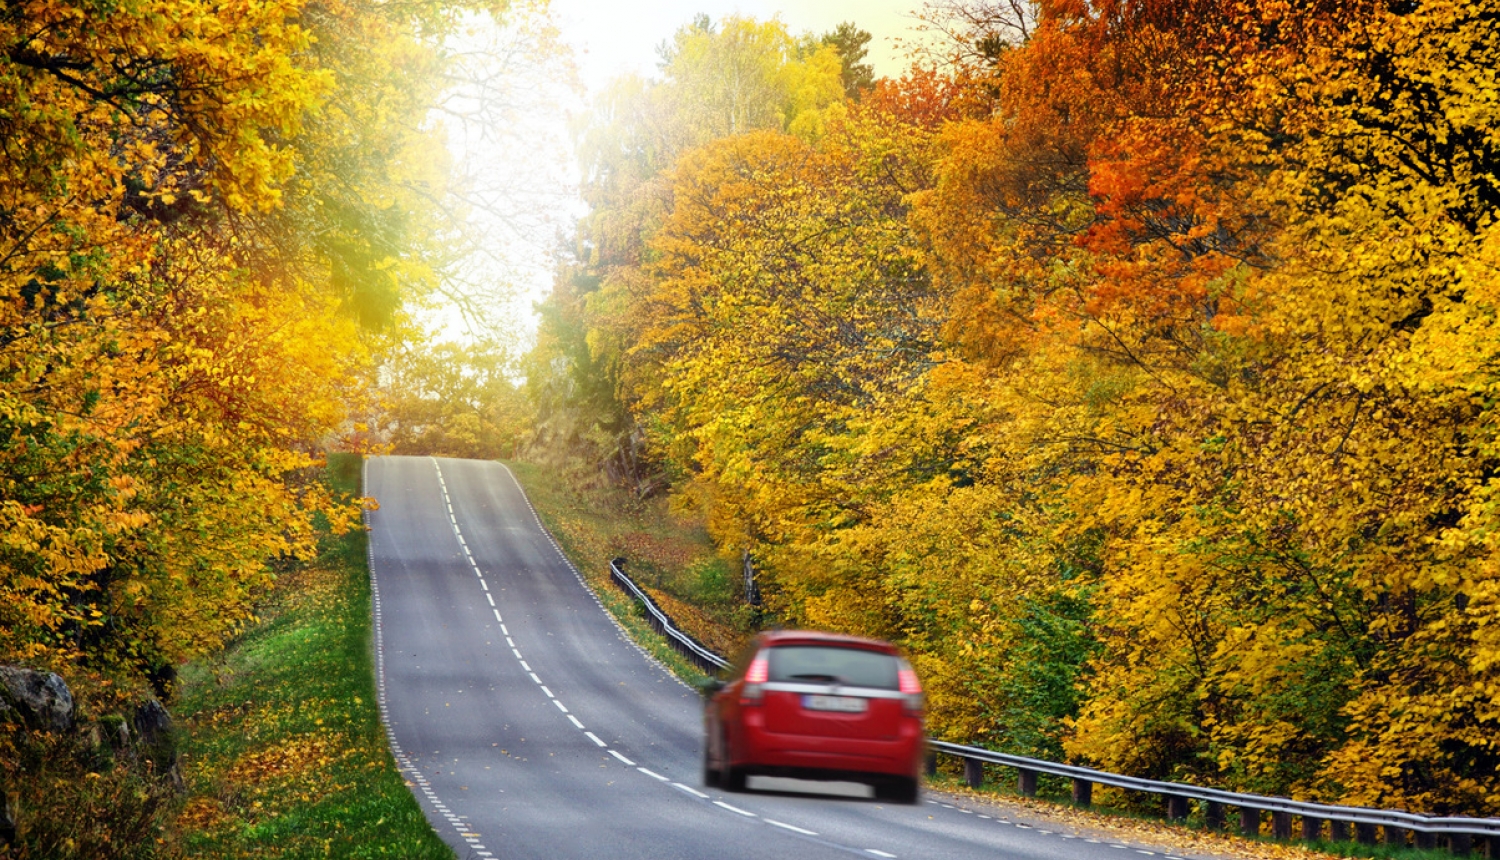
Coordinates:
<point>756,675</point>
<point>911,688</point>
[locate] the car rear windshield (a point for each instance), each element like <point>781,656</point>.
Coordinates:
<point>823,664</point>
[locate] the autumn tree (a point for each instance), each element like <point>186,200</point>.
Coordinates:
<point>734,76</point>
<point>210,224</point>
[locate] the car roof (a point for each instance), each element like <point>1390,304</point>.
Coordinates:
<point>772,638</point>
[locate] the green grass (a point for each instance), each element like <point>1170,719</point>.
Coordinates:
<point>283,751</point>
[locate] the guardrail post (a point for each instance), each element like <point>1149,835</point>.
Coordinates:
<point>1213,816</point>
<point>1281,825</point>
<point>1026,782</point>
<point>1083,792</point>
<point>1395,835</point>
<point>1177,807</point>
<point>1365,833</point>
<point>1460,844</point>
<point>1423,840</point>
<point>1249,821</point>
<point>973,772</point>
<point>1312,828</point>
<point>1338,831</point>
<point>930,762</point>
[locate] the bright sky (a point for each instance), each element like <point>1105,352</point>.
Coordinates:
<point>612,37</point>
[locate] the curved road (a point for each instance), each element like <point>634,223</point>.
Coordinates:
<point>530,727</point>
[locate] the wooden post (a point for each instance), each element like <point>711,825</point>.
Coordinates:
<point>1460,844</point>
<point>1426,841</point>
<point>1395,836</point>
<point>1177,807</point>
<point>1214,815</point>
<point>973,772</point>
<point>1365,833</point>
<point>930,761</point>
<point>1312,828</point>
<point>1083,792</point>
<point>1026,782</point>
<point>1249,821</point>
<point>1281,825</point>
<point>1338,831</point>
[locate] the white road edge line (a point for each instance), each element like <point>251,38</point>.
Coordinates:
<point>879,853</point>
<point>722,805</point>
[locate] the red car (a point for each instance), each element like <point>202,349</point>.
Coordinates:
<point>816,705</point>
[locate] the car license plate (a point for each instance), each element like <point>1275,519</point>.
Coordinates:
<point>842,704</point>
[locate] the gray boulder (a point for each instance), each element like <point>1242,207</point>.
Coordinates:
<point>41,698</point>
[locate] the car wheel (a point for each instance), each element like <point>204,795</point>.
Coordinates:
<point>734,779</point>
<point>710,775</point>
<point>904,790</point>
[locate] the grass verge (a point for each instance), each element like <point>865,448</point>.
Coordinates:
<point>282,748</point>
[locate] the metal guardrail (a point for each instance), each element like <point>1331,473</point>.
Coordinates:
<point>1215,800</point>
<point>689,647</point>
<point>1461,833</point>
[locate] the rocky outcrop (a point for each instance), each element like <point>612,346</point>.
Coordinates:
<point>55,754</point>
<point>40,699</point>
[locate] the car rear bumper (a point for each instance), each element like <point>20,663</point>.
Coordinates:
<point>775,754</point>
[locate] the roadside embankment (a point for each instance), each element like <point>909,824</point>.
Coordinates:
<point>282,748</point>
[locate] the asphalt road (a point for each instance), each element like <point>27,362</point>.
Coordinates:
<point>531,727</point>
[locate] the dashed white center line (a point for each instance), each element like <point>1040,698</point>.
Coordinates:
<point>548,692</point>
<point>722,805</point>
<point>595,738</point>
<point>622,758</point>
<point>653,774</point>
<point>693,791</point>
<point>534,677</point>
<point>792,827</point>
<point>484,585</point>
<point>879,853</point>
<point>575,721</point>
<point>559,706</point>
<point>517,653</point>
<point>490,598</point>
<point>503,631</point>
<point>497,618</point>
